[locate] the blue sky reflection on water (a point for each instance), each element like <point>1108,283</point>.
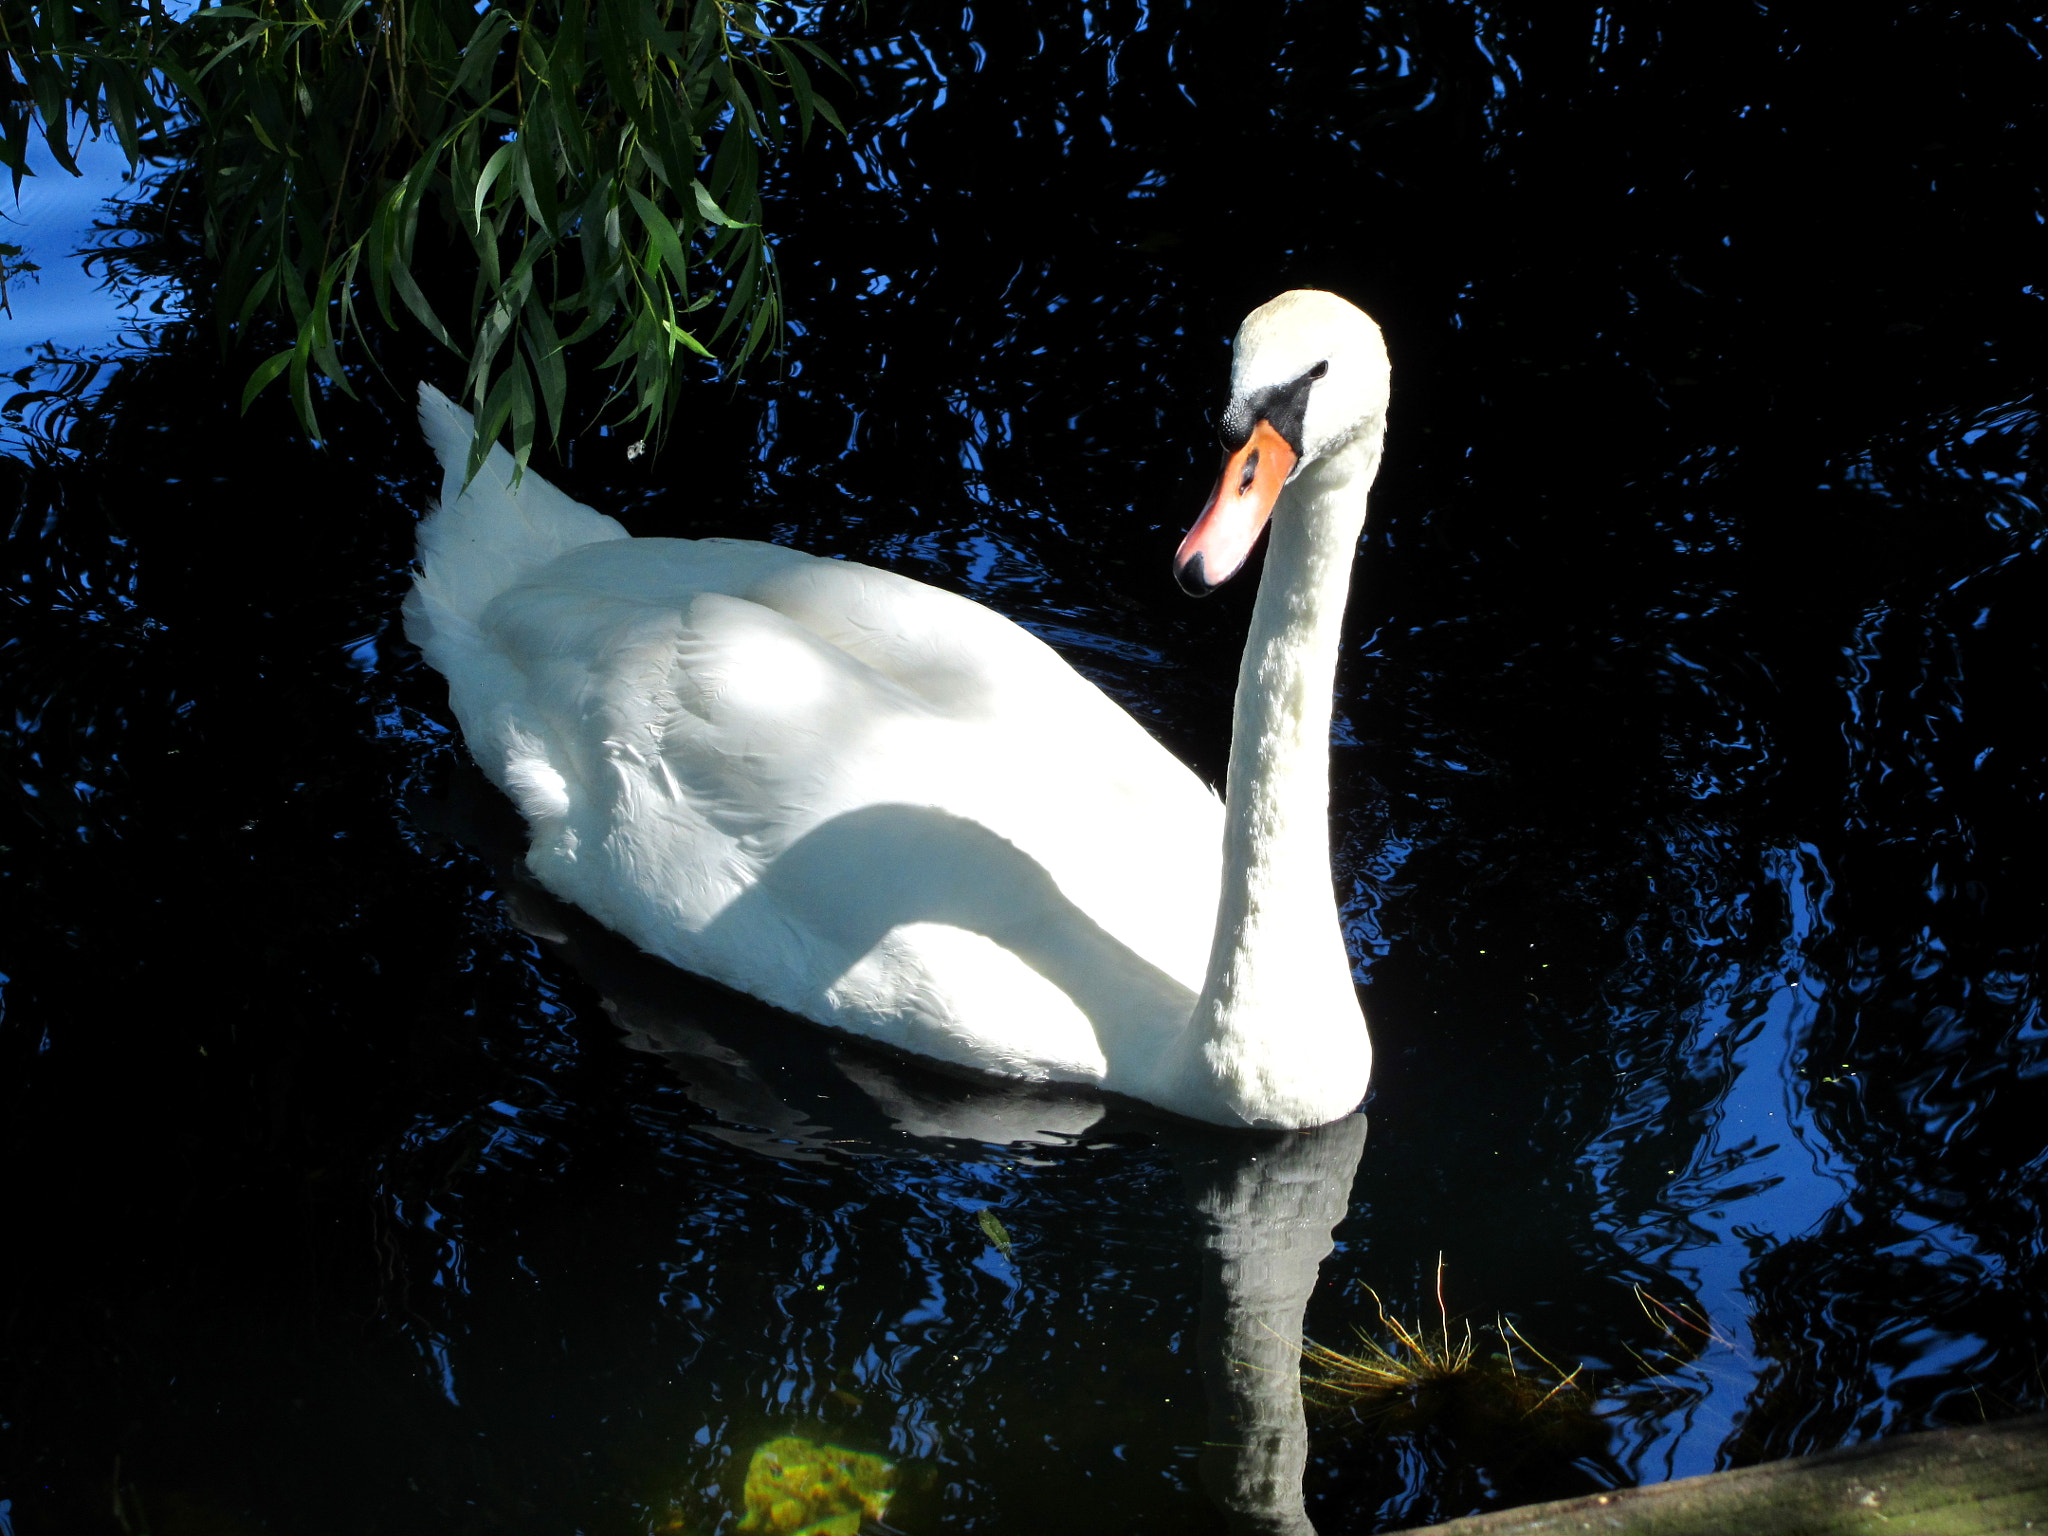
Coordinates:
<point>72,307</point>
<point>1762,1174</point>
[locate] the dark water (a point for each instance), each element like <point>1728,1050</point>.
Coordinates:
<point>1689,822</point>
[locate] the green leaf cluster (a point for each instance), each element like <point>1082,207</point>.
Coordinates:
<point>600,160</point>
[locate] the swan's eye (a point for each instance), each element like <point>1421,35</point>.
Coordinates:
<point>1251,472</point>
<point>1320,369</point>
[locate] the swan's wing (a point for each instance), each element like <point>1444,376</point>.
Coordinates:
<point>698,705</point>
<point>955,654</point>
<point>711,708</point>
<point>964,661</point>
<point>784,683</point>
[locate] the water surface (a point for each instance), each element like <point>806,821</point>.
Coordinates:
<point>1688,824</point>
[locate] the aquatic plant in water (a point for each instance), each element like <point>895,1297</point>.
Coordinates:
<point>1491,1406</point>
<point>797,1488</point>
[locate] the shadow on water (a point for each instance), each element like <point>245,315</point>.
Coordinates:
<point>1689,817</point>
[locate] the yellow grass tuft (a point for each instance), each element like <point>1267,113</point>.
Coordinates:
<point>1421,1378</point>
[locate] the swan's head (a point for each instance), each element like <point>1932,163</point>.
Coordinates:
<point>1309,379</point>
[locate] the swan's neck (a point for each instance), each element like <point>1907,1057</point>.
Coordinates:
<point>1277,1029</point>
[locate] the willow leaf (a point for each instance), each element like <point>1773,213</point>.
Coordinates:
<point>799,88</point>
<point>678,334</point>
<point>708,206</point>
<point>323,333</point>
<point>544,352</point>
<point>264,373</point>
<point>480,57</point>
<point>301,387</point>
<point>664,235</point>
<point>609,152</point>
<point>535,178</point>
<point>630,343</point>
<point>493,169</point>
<point>410,295</point>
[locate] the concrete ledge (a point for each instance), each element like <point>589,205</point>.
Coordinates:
<point>1989,1478</point>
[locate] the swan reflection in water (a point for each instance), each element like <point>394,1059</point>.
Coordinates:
<point>1264,1204</point>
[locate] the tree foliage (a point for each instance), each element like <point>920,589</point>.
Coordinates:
<point>601,158</point>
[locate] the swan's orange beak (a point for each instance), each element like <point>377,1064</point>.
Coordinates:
<point>1231,523</point>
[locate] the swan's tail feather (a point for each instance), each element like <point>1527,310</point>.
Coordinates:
<point>486,536</point>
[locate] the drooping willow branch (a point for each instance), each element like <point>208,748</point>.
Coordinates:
<point>601,158</point>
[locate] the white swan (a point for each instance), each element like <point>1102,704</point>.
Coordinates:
<point>890,810</point>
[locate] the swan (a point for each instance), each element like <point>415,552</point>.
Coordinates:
<point>888,809</point>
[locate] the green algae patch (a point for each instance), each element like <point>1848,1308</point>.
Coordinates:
<point>797,1488</point>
